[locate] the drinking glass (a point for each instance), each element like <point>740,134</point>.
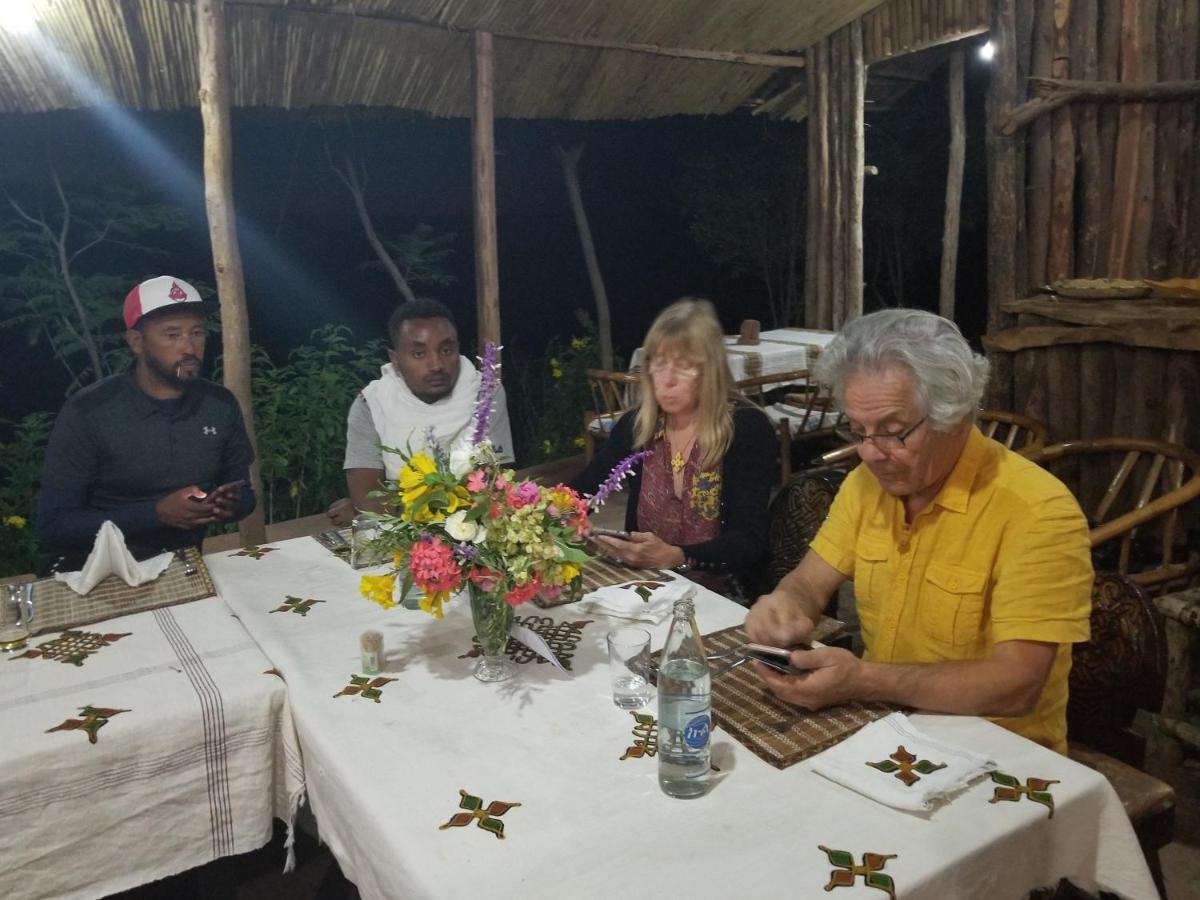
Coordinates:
<point>16,615</point>
<point>363,532</point>
<point>629,667</point>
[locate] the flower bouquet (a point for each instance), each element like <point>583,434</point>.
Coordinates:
<point>462,520</point>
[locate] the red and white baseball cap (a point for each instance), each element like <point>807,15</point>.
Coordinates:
<point>157,293</point>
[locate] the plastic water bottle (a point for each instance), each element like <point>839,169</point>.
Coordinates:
<point>684,707</point>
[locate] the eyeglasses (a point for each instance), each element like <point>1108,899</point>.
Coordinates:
<point>659,366</point>
<point>886,441</point>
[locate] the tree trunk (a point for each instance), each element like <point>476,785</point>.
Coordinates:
<point>213,52</point>
<point>357,190</point>
<point>483,184</point>
<point>954,186</point>
<point>570,167</point>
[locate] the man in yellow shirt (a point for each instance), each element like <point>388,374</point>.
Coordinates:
<point>971,565</point>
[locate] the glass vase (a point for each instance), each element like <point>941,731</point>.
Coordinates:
<point>493,618</point>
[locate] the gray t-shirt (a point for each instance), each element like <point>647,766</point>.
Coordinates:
<point>363,442</point>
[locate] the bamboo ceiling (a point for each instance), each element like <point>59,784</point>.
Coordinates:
<point>415,54</point>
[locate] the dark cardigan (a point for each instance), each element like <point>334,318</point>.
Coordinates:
<point>747,475</point>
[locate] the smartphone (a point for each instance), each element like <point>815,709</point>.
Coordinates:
<point>198,496</point>
<point>776,658</point>
<point>612,533</point>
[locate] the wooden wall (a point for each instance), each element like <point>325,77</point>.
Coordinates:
<point>1100,190</point>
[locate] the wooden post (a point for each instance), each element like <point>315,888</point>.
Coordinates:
<point>483,190</point>
<point>856,83</point>
<point>1003,183</point>
<point>215,98</point>
<point>954,185</point>
<point>1084,66</point>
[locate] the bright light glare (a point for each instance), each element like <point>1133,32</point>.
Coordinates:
<point>17,16</point>
<point>987,51</point>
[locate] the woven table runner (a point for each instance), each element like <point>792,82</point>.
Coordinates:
<point>57,607</point>
<point>598,573</point>
<point>775,731</point>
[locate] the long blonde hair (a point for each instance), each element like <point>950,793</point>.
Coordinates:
<point>689,327</point>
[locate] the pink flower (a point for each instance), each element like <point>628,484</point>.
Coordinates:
<point>525,494</point>
<point>477,481</point>
<point>433,566</point>
<point>524,592</point>
<point>486,578</point>
<point>552,591</point>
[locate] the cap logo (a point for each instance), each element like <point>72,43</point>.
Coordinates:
<point>177,293</point>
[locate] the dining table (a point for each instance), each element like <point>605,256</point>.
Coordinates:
<point>137,747</point>
<point>428,783</point>
<point>778,350</point>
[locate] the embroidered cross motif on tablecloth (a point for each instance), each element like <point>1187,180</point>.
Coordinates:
<point>907,767</point>
<point>870,870</point>
<point>94,718</point>
<point>1010,788</point>
<point>296,605</point>
<point>368,688</point>
<point>643,589</point>
<point>487,818</point>
<point>72,647</point>
<point>562,637</point>
<point>254,552</point>
<point>645,736</point>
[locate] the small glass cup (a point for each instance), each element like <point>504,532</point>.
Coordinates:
<point>16,616</point>
<point>363,533</point>
<point>629,667</point>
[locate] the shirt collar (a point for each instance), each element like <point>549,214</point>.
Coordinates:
<point>956,492</point>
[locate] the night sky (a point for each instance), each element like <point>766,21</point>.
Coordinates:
<point>306,257</point>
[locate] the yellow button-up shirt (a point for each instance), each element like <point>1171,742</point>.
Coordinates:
<point>1001,554</point>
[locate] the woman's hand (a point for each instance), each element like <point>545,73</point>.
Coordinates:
<point>643,550</point>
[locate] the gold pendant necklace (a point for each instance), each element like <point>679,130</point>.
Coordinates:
<point>677,462</point>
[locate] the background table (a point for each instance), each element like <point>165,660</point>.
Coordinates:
<point>778,350</point>
<point>167,747</point>
<point>387,757</point>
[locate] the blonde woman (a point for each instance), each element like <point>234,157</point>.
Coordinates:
<point>698,504</point>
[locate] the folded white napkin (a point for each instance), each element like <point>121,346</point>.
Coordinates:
<point>110,557</point>
<point>638,601</point>
<point>899,754</point>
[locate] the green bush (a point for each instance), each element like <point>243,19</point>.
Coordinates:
<point>300,412</point>
<point>21,456</point>
<point>547,397</point>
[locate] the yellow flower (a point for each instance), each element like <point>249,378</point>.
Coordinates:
<point>378,588</point>
<point>579,442</point>
<point>547,447</point>
<point>556,372</point>
<point>570,572</point>
<point>15,521</point>
<point>432,603</point>
<point>578,343</point>
<point>412,478</point>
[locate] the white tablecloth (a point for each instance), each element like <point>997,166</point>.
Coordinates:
<point>778,350</point>
<point>194,755</point>
<point>385,772</point>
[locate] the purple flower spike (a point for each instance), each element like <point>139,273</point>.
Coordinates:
<point>438,451</point>
<point>489,379</point>
<point>613,482</point>
<point>466,552</point>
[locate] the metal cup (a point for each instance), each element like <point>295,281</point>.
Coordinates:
<point>16,616</point>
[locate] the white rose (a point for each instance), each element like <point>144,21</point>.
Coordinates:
<point>461,461</point>
<point>460,529</point>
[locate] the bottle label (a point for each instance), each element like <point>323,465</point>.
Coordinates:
<point>695,733</point>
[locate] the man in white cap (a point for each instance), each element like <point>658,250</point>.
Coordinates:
<point>159,451</point>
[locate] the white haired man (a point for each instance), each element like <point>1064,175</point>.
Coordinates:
<point>971,566</point>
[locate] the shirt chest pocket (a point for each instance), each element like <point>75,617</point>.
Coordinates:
<point>872,583</point>
<point>952,601</point>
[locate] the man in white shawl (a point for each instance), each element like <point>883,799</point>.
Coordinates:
<point>426,389</point>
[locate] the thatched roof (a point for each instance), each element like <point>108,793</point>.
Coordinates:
<point>416,54</point>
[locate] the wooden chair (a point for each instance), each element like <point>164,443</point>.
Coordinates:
<point>799,410</point>
<point>1120,670</point>
<point>794,517</point>
<point>613,394</point>
<point>1136,531</point>
<point>1014,431</point>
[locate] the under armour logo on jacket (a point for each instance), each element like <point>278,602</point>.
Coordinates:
<point>209,429</point>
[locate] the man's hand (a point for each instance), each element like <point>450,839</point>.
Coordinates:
<point>643,550</point>
<point>341,512</point>
<point>830,679</point>
<point>177,510</point>
<point>225,500</point>
<point>776,619</point>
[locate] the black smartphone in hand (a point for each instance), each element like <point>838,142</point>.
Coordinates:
<point>612,533</point>
<point>776,658</point>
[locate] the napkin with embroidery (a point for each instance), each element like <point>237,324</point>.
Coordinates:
<point>109,556</point>
<point>892,762</point>
<point>639,601</point>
